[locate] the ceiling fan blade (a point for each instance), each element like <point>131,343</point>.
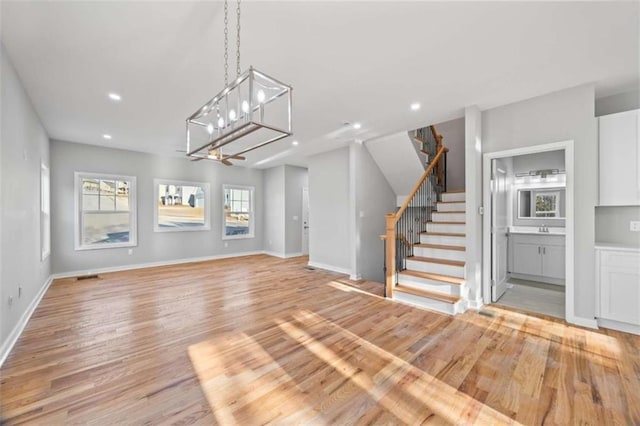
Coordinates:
<point>237,157</point>
<point>197,159</point>
<point>226,162</point>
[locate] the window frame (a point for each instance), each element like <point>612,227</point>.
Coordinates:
<point>133,217</point>
<point>251,212</point>
<point>207,205</point>
<point>45,211</point>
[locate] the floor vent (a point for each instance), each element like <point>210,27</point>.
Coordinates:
<point>87,277</point>
<point>487,313</point>
<point>310,268</point>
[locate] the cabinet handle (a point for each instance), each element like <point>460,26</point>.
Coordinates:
<point>544,250</point>
<point>538,249</point>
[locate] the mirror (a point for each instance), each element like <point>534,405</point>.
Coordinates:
<point>541,203</point>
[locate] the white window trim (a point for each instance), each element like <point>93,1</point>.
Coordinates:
<point>133,217</point>
<point>207,205</point>
<point>252,213</point>
<point>45,213</point>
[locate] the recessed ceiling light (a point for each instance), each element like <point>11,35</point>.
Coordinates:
<point>295,143</point>
<point>357,125</point>
<point>106,136</point>
<point>115,97</point>
<point>415,106</point>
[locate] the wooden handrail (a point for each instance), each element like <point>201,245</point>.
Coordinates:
<point>428,170</point>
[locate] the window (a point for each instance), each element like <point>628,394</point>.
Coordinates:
<point>45,212</point>
<point>105,211</point>
<point>547,204</point>
<point>238,212</point>
<point>181,206</point>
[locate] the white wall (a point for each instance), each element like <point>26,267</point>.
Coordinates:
<point>612,225</point>
<point>274,211</point>
<point>453,138</point>
<point>67,158</point>
<point>329,210</point>
<point>296,178</point>
<point>374,198</point>
<point>396,157</point>
<point>559,116</point>
<point>625,101</point>
<point>24,145</point>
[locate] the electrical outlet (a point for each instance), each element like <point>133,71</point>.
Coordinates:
<point>634,226</point>
<point>130,252</point>
<point>227,244</point>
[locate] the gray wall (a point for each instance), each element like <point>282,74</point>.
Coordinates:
<point>453,138</point>
<point>374,199</point>
<point>329,209</point>
<point>612,225</point>
<point>67,158</point>
<point>296,178</point>
<point>559,116</point>
<point>274,211</point>
<point>620,102</point>
<point>24,145</point>
<point>539,161</point>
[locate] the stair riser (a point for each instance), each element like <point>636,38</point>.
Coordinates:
<point>439,253</point>
<point>446,228</point>
<point>455,196</point>
<point>448,217</point>
<point>432,285</point>
<point>443,240</point>
<point>423,302</point>
<point>435,268</point>
<point>451,207</point>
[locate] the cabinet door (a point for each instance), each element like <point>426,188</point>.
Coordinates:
<point>620,294</point>
<point>553,261</point>
<point>527,259</point>
<point>619,145</point>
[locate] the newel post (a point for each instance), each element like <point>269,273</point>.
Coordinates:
<point>390,254</point>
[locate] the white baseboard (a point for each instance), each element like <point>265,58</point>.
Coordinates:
<point>8,344</point>
<point>282,255</point>
<point>153,264</point>
<point>330,268</point>
<point>583,322</point>
<point>620,326</point>
<point>476,304</point>
<point>355,277</point>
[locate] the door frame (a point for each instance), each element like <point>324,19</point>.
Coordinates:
<point>303,224</point>
<point>568,148</point>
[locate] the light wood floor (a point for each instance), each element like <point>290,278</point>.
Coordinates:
<point>258,339</point>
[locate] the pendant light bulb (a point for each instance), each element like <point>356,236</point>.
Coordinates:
<point>210,128</point>
<point>245,107</point>
<point>220,122</point>
<point>232,114</point>
<point>261,96</point>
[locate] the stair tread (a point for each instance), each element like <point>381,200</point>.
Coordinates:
<point>454,191</point>
<point>447,222</point>
<point>440,246</point>
<point>435,260</point>
<point>403,288</point>
<point>449,212</point>
<point>431,276</point>
<point>444,234</point>
<point>450,202</point>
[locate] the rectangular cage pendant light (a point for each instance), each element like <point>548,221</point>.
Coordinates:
<point>251,112</point>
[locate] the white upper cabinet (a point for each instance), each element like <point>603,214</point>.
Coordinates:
<point>620,159</point>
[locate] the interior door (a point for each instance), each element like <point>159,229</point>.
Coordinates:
<point>305,220</point>
<point>499,223</point>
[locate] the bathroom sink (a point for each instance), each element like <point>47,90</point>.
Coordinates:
<point>536,230</point>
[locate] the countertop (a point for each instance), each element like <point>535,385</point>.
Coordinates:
<point>617,247</point>
<point>533,230</point>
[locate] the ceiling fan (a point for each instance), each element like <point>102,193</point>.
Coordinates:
<point>217,155</point>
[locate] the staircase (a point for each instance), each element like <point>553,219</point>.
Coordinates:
<point>425,248</point>
<point>434,275</point>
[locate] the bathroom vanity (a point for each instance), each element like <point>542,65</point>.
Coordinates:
<point>537,254</point>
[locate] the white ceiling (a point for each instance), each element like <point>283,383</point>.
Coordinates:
<point>347,62</point>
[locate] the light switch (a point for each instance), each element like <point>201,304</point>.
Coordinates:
<point>295,218</point>
<point>634,226</point>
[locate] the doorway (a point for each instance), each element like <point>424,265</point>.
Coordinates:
<point>305,221</point>
<point>528,229</point>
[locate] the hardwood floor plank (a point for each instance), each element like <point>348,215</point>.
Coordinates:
<point>258,339</point>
